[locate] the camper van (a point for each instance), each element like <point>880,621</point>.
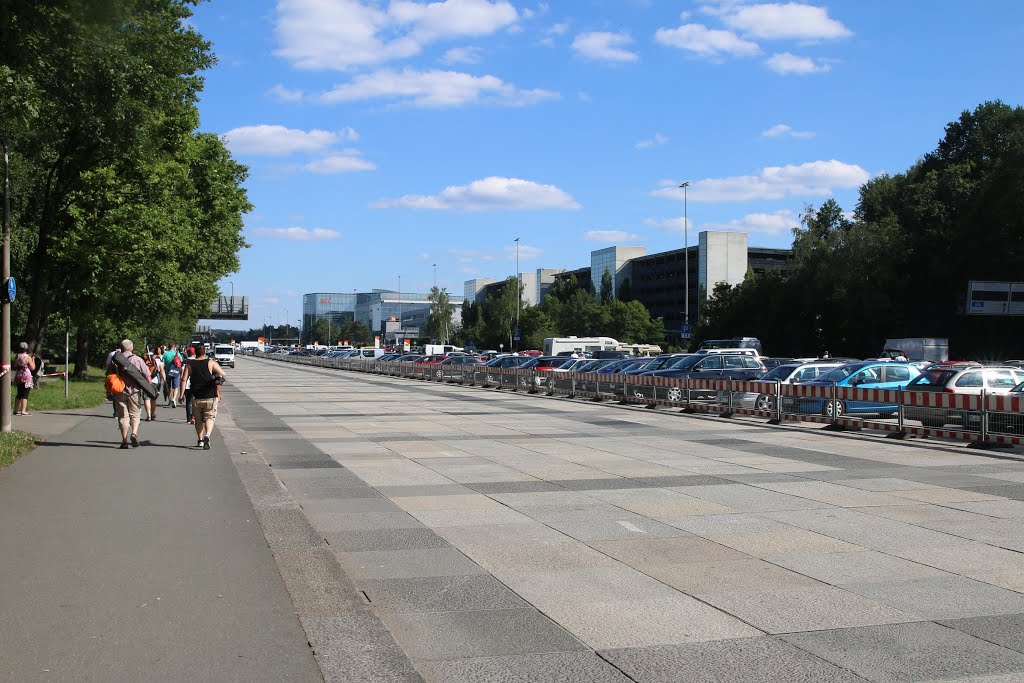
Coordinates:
<point>556,345</point>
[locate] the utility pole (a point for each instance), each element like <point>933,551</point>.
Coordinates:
<point>5,317</point>
<point>519,285</point>
<point>686,254</point>
<point>399,306</point>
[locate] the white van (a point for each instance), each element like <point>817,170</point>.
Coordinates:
<point>369,353</point>
<point>224,354</point>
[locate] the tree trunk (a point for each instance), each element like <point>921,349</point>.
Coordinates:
<point>82,340</point>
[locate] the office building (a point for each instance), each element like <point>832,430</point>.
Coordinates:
<point>387,314</point>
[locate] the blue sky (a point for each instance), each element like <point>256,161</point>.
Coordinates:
<point>387,136</point>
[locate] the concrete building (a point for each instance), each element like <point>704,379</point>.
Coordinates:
<point>615,260</point>
<point>545,281</point>
<point>383,311</point>
<point>471,289</point>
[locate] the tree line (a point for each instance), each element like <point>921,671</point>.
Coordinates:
<point>568,309</point>
<point>900,264</point>
<point>124,214</point>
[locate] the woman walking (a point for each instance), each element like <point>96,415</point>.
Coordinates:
<point>23,367</point>
<point>156,370</point>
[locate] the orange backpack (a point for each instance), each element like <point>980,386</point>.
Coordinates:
<point>114,384</point>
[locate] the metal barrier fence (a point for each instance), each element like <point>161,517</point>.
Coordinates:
<point>982,419</point>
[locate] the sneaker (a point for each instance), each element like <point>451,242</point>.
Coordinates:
<point>199,443</point>
<point>206,443</point>
<point>135,441</point>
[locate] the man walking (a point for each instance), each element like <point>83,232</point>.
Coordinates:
<point>203,375</point>
<point>128,403</point>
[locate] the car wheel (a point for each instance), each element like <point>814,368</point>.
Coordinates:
<point>675,394</point>
<point>838,406</point>
<point>765,402</point>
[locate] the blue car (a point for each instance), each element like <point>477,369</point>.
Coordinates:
<point>864,375</point>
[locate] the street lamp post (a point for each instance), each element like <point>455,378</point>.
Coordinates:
<point>399,306</point>
<point>686,255</point>
<point>231,301</point>
<point>519,284</point>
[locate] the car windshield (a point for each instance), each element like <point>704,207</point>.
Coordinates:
<point>225,349</point>
<point>780,373</point>
<point>686,362</point>
<point>939,378</point>
<point>841,373</point>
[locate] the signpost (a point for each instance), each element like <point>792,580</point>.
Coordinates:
<point>686,331</point>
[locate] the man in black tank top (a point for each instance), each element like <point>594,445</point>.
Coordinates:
<point>204,376</point>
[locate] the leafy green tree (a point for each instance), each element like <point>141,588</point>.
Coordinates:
<point>440,325</point>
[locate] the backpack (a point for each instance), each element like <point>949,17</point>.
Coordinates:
<point>113,384</point>
<point>177,360</point>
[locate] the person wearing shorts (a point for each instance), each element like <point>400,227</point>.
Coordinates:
<point>172,370</point>
<point>128,403</point>
<point>203,375</point>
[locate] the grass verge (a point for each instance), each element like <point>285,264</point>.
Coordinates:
<point>87,392</point>
<point>13,445</point>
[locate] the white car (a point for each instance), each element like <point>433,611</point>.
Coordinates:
<point>224,354</point>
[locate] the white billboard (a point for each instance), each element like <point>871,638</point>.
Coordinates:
<point>995,298</point>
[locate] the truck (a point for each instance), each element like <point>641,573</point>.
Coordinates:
<point>556,345</point>
<point>916,349</point>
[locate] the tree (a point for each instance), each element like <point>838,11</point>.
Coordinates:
<point>607,287</point>
<point>442,312</point>
<point>112,182</point>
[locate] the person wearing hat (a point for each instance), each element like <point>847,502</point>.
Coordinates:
<point>23,367</point>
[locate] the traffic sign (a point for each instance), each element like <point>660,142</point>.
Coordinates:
<point>515,335</point>
<point>686,331</point>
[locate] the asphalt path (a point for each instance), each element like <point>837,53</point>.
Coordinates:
<point>502,536</point>
<point>138,565</point>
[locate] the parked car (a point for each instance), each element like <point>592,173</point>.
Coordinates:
<point>791,373</point>
<point>461,360</point>
<point>657,363</point>
<point>430,360</point>
<point>409,358</point>
<point>508,361</point>
<point>962,379</point>
<point>593,364</point>
<point>863,375</point>
<point>547,363</point>
<point>741,366</point>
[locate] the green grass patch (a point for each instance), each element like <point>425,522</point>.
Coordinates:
<point>13,445</point>
<point>87,392</point>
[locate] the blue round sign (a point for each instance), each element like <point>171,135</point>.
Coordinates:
<point>11,289</point>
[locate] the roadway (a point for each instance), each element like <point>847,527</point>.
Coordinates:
<point>502,536</point>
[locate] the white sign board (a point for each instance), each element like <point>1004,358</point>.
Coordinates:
<point>995,298</point>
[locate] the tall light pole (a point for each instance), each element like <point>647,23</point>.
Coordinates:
<point>399,305</point>
<point>519,284</point>
<point>686,254</point>
<point>231,301</point>
<point>5,316</point>
<point>435,276</point>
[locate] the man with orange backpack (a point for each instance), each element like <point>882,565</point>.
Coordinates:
<point>129,385</point>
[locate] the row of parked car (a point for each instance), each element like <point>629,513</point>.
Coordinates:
<point>957,377</point>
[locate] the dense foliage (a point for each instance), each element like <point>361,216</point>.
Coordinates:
<point>124,216</point>
<point>568,309</point>
<point>900,265</point>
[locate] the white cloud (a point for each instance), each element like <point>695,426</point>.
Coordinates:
<point>609,236</point>
<point>792,21</point>
<point>604,46</point>
<point>471,255</point>
<point>462,55</point>
<point>780,130</point>
<point>433,89</point>
<point>298,234</point>
<point>341,34</point>
<point>786,63</point>
<point>488,194</point>
<point>278,141</point>
<point>706,42</point>
<point>526,252</point>
<point>346,161</point>
<point>815,178</point>
<point>658,139</point>
<point>671,224</point>
<point>424,256</point>
<point>770,223</point>
<point>283,94</point>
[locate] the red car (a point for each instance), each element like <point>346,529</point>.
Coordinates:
<point>430,360</point>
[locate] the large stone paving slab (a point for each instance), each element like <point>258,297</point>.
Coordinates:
<point>921,651</point>
<point>744,660</point>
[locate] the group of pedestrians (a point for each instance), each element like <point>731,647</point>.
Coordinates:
<point>194,380</point>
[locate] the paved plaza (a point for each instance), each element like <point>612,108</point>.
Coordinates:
<point>507,537</point>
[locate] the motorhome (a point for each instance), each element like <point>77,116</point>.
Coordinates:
<point>556,345</point>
